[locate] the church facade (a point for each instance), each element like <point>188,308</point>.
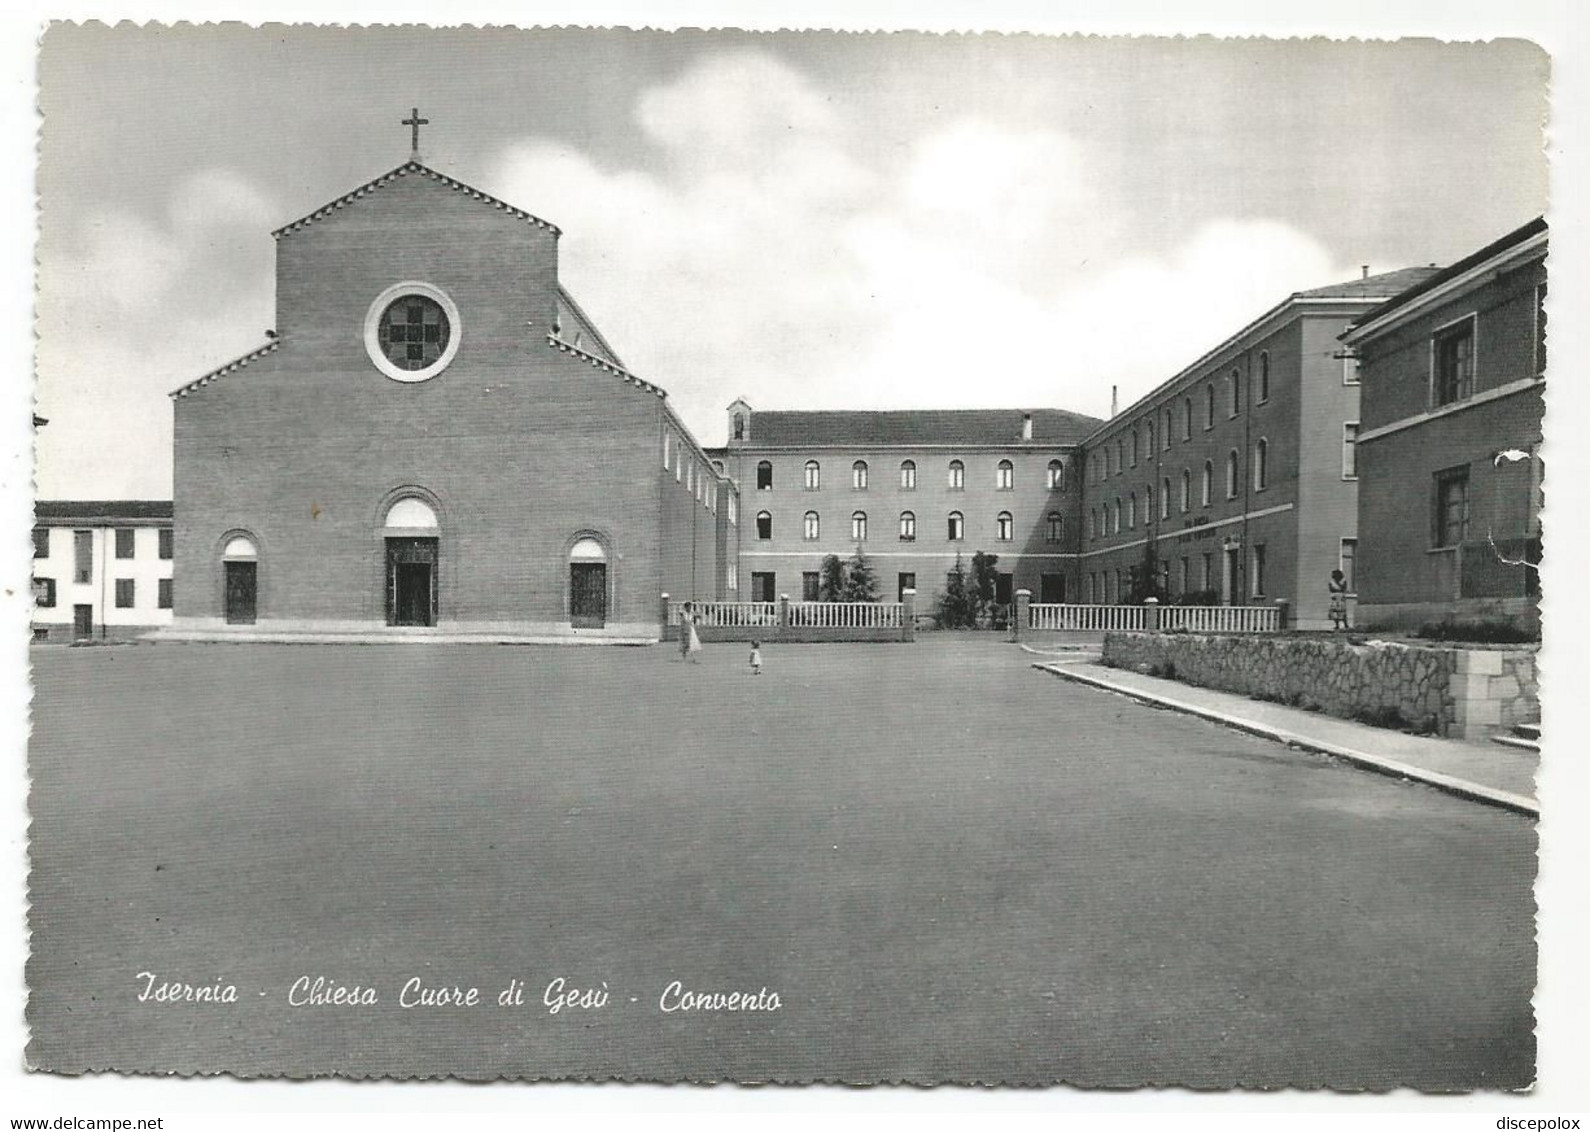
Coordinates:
<point>435,437</point>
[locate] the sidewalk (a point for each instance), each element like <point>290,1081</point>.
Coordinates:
<point>1484,772</point>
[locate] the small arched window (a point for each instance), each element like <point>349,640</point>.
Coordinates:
<point>907,526</point>
<point>1005,476</point>
<point>1261,464</point>
<point>1264,376</point>
<point>1148,452</point>
<point>957,526</point>
<point>811,528</point>
<point>739,426</point>
<point>858,526</point>
<point>668,449</point>
<point>814,475</point>
<point>764,476</point>
<point>1164,433</point>
<point>957,475</point>
<point>1236,392</point>
<point>1053,527</point>
<point>1134,448</point>
<point>1115,517</point>
<point>1186,490</point>
<point>1209,481</point>
<point>1231,474</point>
<point>1209,406</point>
<point>1186,419</point>
<point>1057,476</point>
<point>764,525</point>
<point>1131,511</point>
<point>1006,526</point>
<point>858,475</point>
<point>908,475</point>
<point>1164,498</point>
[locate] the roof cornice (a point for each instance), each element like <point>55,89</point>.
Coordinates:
<point>229,367</point>
<point>1294,304</point>
<point>404,170</point>
<point>603,364</point>
<point>1498,264</point>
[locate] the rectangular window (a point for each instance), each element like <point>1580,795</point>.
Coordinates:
<point>41,542</point>
<point>1453,350</point>
<point>1258,570</point>
<point>1540,329</point>
<point>1349,562</point>
<point>164,593</point>
<point>124,593</point>
<point>1350,369</point>
<point>1451,526</point>
<point>44,593</point>
<point>83,556</point>
<point>1209,572</point>
<point>126,540</point>
<point>811,585</point>
<point>1350,450</point>
<point>166,543</point>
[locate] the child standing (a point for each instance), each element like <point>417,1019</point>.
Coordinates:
<point>756,658</point>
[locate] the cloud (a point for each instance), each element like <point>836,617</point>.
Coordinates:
<point>769,251</point>
<point>130,307</point>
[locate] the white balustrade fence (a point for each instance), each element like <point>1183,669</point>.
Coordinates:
<point>846,614</point>
<point>1193,618</point>
<point>1221,618</point>
<point>1085,618</point>
<point>727,614</point>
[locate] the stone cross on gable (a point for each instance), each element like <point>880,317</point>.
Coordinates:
<point>416,122</point>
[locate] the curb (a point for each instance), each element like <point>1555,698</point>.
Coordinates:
<point>1460,787</point>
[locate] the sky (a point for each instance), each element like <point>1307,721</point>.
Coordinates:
<point>808,220</point>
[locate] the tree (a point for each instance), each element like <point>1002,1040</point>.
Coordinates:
<point>1146,577</point>
<point>954,608</point>
<point>861,581</point>
<point>831,586</point>
<point>985,580</point>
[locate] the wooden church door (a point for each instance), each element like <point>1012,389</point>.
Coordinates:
<point>411,581</point>
<point>588,594</point>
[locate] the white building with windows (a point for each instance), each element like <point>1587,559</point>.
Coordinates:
<point>101,569</point>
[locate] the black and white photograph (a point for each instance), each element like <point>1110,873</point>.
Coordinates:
<point>791,557</point>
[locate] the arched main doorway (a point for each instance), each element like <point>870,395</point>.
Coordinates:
<point>412,553</point>
<point>587,584</point>
<point>240,579</point>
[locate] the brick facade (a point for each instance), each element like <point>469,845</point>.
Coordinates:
<point>522,445</point>
<point>1450,485</point>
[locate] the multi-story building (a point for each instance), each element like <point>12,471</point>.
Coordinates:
<point>1453,397</point>
<point>913,489</point>
<point>101,570</point>
<point>1235,481</point>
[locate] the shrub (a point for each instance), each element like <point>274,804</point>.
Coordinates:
<point>1477,632</point>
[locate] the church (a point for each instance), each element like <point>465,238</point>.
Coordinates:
<point>435,438</point>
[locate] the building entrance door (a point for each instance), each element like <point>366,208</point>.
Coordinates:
<point>588,595</point>
<point>411,581</point>
<point>241,592</point>
<point>82,622</point>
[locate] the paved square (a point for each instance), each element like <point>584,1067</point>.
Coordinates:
<point>948,866</point>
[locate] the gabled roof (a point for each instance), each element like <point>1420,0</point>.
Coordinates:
<point>407,169</point>
<point>1372,286</point>
<point>912,427</point>
<point>229,367</point>
<point>105,510</point>
<point>1434,279</point>
<point>576,327</point>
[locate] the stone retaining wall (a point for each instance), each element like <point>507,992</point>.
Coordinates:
<point>1443,689</point>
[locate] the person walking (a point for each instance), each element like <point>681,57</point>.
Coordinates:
<point>756,658</point>
<point>692,638</point>
<point>687,630</point>
<point>1338,592</point>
